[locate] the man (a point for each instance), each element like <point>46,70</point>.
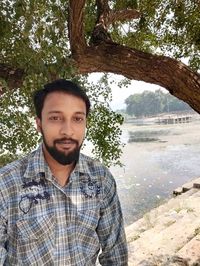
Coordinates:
<point>57,206</point>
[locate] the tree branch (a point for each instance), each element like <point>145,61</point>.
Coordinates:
<point>103,11</point>
<point>169,73</point>
<point>123,15</point>
<point>105,17</point>
<point>76,26</point>
<point>100,33</point>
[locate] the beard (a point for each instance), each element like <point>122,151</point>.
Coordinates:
<point>60,156</point>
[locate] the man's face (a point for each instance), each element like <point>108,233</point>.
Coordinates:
<point>62,125</point>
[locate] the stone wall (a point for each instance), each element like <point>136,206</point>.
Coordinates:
<point>170,234</point>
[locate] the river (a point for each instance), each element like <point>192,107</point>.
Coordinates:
<point>152,170</point>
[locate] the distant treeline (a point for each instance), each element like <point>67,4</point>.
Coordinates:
<point>152,103</point>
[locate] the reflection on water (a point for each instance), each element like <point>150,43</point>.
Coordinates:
<point>152,170</point>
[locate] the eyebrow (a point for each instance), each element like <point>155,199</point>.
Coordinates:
<point>59,112</point>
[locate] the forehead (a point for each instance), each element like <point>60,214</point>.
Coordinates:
<point>64,102</point>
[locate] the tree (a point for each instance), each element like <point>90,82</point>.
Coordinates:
<point>134,106</point>
<point>172,104</point>
<point>152,103</point>
<point>139,39</point>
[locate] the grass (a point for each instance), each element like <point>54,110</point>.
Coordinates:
<point>188,209</point>
<point>197,231</point>
<point>169,223</point>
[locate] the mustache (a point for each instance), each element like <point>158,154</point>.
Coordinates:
<point>66,140</point>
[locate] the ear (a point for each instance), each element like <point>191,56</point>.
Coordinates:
<point>38,124</point>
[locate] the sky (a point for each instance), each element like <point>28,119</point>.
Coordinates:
<point>120,94</point>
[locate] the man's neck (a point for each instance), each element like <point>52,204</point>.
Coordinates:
<point>59,171</point>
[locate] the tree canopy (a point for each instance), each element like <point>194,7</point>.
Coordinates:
<point>152,103</point>
<point>45,39</point>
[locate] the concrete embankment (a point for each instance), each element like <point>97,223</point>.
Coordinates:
<point>170,234</point>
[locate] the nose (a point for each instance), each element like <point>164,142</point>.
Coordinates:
<point>66,129</point>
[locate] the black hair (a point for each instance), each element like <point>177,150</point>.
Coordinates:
<point>59,85</point>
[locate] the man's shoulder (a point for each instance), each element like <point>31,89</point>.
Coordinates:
<point>15,168</point>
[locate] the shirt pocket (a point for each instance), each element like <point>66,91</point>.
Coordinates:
<point>86,229</point>
<point>35,239</point>
<point>35,228</point>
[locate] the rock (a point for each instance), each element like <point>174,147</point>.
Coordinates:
<point>196,183</point>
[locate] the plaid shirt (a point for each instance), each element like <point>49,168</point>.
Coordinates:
<point>42,223</point>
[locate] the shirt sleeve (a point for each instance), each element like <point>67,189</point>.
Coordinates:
<point>111,228</point>
<point>3,231</point>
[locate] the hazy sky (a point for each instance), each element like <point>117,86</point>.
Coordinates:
<point>120,94</point>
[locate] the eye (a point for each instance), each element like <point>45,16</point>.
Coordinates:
<point>54,118</point>
<point>78,119</point>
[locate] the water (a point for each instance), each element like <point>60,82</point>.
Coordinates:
<point>152,170</point>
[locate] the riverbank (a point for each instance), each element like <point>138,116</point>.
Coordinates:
<point>170,234</point>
